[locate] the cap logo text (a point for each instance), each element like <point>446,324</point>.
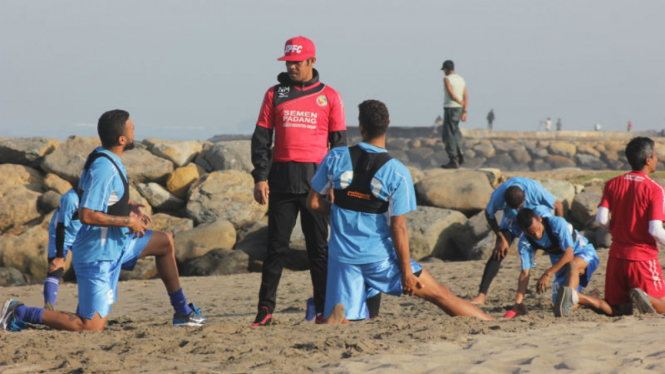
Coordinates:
<point>292,48</point>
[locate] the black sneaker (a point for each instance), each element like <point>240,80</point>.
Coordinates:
<point>8,321</point>
<point>263,317</point>
<point>451,165</point>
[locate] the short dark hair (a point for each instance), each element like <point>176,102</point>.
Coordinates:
<point>373,117</point>
<point>638,150</point>
<point>514,196</point>
<point>449,65</point>
<point>111,126</point>
<point>525,218</point>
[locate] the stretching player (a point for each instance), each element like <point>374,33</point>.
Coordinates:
<point>369,242</point>
<point>113,236</point>
<point>573,259</point>
<point>62,231</point>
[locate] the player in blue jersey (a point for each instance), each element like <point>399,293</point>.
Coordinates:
<point>62,231</point>
<point>511,196</point>
<point>113,236</point>
<point>369,241</point>
<point>572,258</point>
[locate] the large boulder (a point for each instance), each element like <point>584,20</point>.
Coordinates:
<point>26,252</point>
<point>562,190</point>
<point>48,201</point>
<point>565,149</point>
<point>159,197</point>
<point>468,236</point>
<point>467,191</point>
<point>585,161</point>
<point>585,206</point>
<point>230,155</point>
<point>204,238</point>
<point>20,189</point>
<point>219,261</point>
<point>57,184</point>
<point>431,231</point>
<point>227,194</point>
<point>172,224</point>
<point>142,166</point>
<point>136,197</point>
<point>67,161</point>
<point>179,181</point>
<point>558,162</point>
<point>485,148</point>
<point>26,151</point>
<point>179,152</point>
<point>11,277</point>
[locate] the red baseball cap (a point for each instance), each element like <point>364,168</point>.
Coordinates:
<point>298,48</point>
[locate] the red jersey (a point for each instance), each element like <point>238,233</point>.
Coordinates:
<point>302,118</point>
<point>633,200</point>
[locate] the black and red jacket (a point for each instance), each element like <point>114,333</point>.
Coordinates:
<point>307,119</point>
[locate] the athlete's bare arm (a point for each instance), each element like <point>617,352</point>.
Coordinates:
<point>97,218</point>
<point>318,203</point>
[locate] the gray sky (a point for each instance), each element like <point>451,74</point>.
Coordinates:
<point>193,69</point>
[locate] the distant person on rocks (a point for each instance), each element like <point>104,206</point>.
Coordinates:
<point>634,276</point>
<point>573,259</point>
<point>62,231</point>
<point>490,119</point>
<point>548,124</point>
<point>630,126</point>
<point>455,101</point>
<point>435,128</point>
<point>113,236</point>
<point>306,118</point>
<point>597,127</point>
<point>369,241</point>
<point>558,124</point>
<point>511,196</point>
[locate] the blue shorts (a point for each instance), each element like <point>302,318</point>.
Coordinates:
<point>352,284</point>
<point>52,251</point>
<point>588,254</point>
<point>98,281</point>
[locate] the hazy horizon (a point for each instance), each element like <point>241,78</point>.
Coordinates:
<point>192,70</point>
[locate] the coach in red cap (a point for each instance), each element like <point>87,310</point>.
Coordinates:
<point>306,118</point>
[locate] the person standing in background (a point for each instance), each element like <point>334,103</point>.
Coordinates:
<point>490,119</point>
<point>455,101</point>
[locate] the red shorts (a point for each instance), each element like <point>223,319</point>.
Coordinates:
<point>624,275</point>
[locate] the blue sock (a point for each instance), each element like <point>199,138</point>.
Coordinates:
<point>29,314</point>
<point>51,289</point>
<point>179,303</point>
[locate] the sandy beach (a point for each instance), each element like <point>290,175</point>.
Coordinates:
<point>410,335</point>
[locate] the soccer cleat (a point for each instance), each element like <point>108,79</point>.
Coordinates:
<point>195,318</point>
<point>8,317</point>
<point>641,301</point>
<point>263,317</point>
<point>49,306</point>
<point>319,319</point>
<point>565,301</point>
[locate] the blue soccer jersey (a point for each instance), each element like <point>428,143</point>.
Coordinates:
<point>102,186</point>
<point>69,205</point>
<point>360,237</point>
<point>564,233</point>
<point>536,197</point>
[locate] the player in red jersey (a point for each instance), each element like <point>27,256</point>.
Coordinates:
<point>306,118</point>
<point>634,278</point>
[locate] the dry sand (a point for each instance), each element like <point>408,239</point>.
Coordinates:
<point>410,336</point>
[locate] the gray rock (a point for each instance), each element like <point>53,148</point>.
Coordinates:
<point>143,167</point>
<point>204,238</point>
<point>467,191</point>
<point>483,248</point>
<point>466,238</point>
<point>564,149</point>
<point>540,165</point>
<point>145,269</point>
<point>159,197</point>
<point>227,194</point>
<point>431,231</point>
<point>136,197</point>
<point>585,161</point>
<point>26,151</point>
<point>485,149</point>
<point>179,152</point>
<point>394,144</point>
<point>585,206</point>
<point>67,161</point>
<point>521,157</point>
<point>11,277</point>
<point>501,161</point>
<point>562,190</point>
<point>253,240</point>
<point>506,146</point>
<point>219,261</point>
<point>26,252</point>
<point>400,155</point>
<point>558,162</point>
<point>603,238</point>
<point>48,201</point>
<point>57,184</point>
<point>539,153</point>
<point>420,155</point>
<point>231,155</point>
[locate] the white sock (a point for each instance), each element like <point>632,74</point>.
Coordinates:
<point>576,298</point>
